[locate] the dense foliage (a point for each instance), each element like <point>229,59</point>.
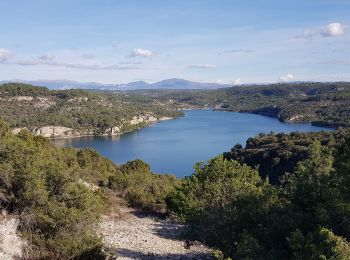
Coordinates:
<point>275,155</point>
<point>28,106</point>
<point>229,206</point>
<point>56,210</point>
<point>60,194</point>
<point>140,187</point>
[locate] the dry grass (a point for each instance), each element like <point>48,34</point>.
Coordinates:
<point>117,207</point>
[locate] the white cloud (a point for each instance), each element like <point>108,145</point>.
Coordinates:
<point>87,56</point>
<point>287,77</point>
<point>306,35</point>
<point>237,51</point>
<point>47,56</point>
<point>74,65</point>
<point>332,30</point>
<point>220,81</point>
<point>202,66</point>
<point>4,55</point>
<point>143,53</point>
<point>237,82</point>
<point>130,62</point>
<point>115,44</point>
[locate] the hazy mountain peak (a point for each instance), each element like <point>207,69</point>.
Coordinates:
<point>172,83</point>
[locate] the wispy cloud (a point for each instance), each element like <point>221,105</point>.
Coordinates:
<point>307,35</point>
<point>288,77</point>
<point>131,62</point>
<point>202,66</point>
<point>330,30</point>
<point>74,65</point>
<point>4,54</point>
<point>49,59</point>
<point>115,44</point>
<point>87,56</point>
<point>47,56</point>
<point>142,53</point>
<point>236,51</point>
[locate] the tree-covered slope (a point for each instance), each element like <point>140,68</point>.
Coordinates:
<point>275,155</point>
<point>320,103</point>
<point>229,206</point>
<point>33,107</point>
<point>58,195</point>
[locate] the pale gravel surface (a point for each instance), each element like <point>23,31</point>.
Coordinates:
<point>11,244</point>
<point>137,236</point>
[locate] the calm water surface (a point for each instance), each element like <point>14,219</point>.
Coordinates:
<point>174,146</point>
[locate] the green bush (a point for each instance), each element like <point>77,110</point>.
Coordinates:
<point>229,206</point>
<point>39,183</point>
<point>142,189</point>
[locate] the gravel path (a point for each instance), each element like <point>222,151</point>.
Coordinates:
<point>138,236</point>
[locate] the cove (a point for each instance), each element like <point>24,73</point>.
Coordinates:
<point>173,146</point>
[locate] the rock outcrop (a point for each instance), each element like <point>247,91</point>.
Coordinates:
<point>148,118</point>
<point>113,131</point>
<point>66,132</point>
<point>54,131</point>
<point>11,244</point>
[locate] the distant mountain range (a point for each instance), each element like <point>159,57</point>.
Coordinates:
<point>164,84</point>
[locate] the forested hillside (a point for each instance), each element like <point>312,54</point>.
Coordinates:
<point>282,196</point>
<point>275,155</point>
<point>320,103</point>
<point>81,112</point>
<point>229,205</point>
<point>58,195</point>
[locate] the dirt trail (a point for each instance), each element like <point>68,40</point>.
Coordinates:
<point>140,236</point>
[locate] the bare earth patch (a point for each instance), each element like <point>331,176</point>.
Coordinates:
<point>11,244</point>
<point>138,236</point>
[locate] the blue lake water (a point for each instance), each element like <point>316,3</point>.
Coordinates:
<point>173,146</point>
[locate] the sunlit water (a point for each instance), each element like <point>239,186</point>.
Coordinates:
<point>174,146</point>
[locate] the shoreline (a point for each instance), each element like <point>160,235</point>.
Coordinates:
<point>162,119</point>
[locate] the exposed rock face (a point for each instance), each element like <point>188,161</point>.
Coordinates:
<point>164,118</point>
<point>44,103</point>
<point>78,99</point>
<point>18,129</point>
<point>54,131</point>
<point>136,120</point>
<point>143,118</point>
<point>113,131</point>
<point>297,118</point>
<point>23,98</point>
<point>11,244</point>
<point>62,132</point>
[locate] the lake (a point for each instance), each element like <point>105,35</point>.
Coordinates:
<point>173,146</point>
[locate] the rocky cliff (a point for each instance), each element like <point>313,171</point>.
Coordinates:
<point>65,132</point>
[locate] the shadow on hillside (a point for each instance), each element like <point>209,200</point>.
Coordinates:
<point>162,227</point>
<point>139,255</point>
<point>147,214</point>
<point>169,230</point>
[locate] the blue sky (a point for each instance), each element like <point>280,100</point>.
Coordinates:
<point>114,41</point>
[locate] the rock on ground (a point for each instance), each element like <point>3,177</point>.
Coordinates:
<point>11,244</point>
<point>138,236</point>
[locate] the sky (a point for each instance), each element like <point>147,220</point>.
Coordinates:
<point>223,41</point>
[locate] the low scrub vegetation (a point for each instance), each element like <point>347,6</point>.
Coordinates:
<point>28,106</point>
<point>60,194</point>
<point>56,211</point>
<point>229,206</point>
